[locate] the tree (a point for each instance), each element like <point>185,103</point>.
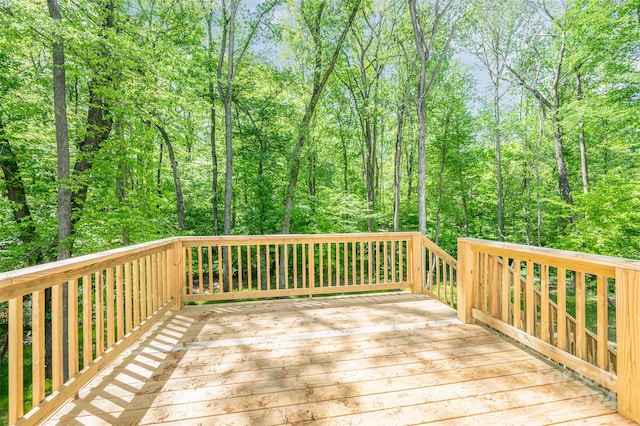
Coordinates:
<point>429,55</point>
<point>311,14</point>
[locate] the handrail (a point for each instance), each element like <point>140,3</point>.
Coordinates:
<point>439,276</point>
<point>110,298</point>
<point>105,300</point>
<point>241,267</point>
<point>516,301</point>
<point>24,281</point>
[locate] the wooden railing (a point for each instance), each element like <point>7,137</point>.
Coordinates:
<point>439,276</point>
<point>101,303</point>
<point>224,268</point>
<point>522,292</point>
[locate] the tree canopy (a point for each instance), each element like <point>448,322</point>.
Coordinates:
<point>514,120</point>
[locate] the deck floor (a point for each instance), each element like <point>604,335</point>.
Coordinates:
<point>383,359</point>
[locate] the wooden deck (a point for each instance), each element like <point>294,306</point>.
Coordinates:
<point>387,359</point>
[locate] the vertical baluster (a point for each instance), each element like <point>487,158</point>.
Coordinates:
<point>353,262</point>
<point>505,288</point>
<point>111,337</point>
<point>338,264</point>
<point>72,328</point>
<point>562,309</point>
<point>258,268</point>
<point>190,289</point>
<point>99,313</point>
<point>16,360</point>
<point>37,331</point>
<point>210,268</point>
<point>346,263</point>
<point>286,266</point>
<point>401,260</point>
<point>529,303</point>
<point>603,322</point>
<point>143,289</point>
<point>544,303</point>
<point>128,298</point>
<point>369,262</point>
<point>229,252</point>
<point>580,337</point>
<point>135,273</point>
<point>249,267</point>
<point>56,337</point>
<point>200,285</point>
<point>277,270</point>
<point>311,249</point>
<point>119,303</point>
<point>386,262</point>
<point>295,265</point>
<point>87,344</point>
<point>517,295</point>
<point>303,265</point>
<point>239,255</point>
<point>220,269</point>
<point>321,259</point>
<point>362,262</point>
<point>329,266</point>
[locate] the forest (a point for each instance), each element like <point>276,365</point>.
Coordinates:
<point>123,121</point>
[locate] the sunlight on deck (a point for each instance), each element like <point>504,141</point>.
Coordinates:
<point>394,358</point>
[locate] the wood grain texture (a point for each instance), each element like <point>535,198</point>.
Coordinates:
<point>394,358</point>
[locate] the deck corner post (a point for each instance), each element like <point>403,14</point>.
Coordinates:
<point>628,339</point>
<point>417,280</point>
<point>177,277</point>
<point>465,281</point>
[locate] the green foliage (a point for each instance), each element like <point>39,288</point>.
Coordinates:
<point>155,66</point>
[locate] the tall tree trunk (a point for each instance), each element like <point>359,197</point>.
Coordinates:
<point>497,139</point>
<point>214,170</point>
<point>213,124</point>
<point>583,147</point>
<point>423,48</point>
<point>538,195</point>
<point>64,174</point>
<point>176,177</point>
<point>123,178</point>
<point>443,158</point>
<point>319,83</point>
<point>397,161</point>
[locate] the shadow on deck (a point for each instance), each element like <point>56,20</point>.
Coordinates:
<point>394,358</point>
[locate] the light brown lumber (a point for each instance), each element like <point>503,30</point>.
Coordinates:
<point>430,403</point>
<point>602,377</point>
<point>72,386</point>
<point>369,393</point>
<point>578,410</point>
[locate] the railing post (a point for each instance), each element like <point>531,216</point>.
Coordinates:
<point>628,336</point>
<point>417,281</point>
<point>176,275</point>
<point>465,281</point>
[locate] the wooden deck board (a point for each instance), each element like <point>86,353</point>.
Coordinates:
<point>391,358</point>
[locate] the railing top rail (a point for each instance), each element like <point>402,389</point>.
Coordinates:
<point>299,238</point>
<point>27,280</point>
<point>438,251</point>
<point>589,263</point>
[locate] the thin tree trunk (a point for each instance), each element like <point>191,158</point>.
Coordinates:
<point>581,137</point>
<point>64,173</point>
<point>538,195</point>
<point>214,172</point>
<point>213,124</point>
<point>497,139</point>
<point>176,177</point>
<point>424,52</point>
<point>397,161</point>
<point>320,81</point>
<point>123,178</point>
